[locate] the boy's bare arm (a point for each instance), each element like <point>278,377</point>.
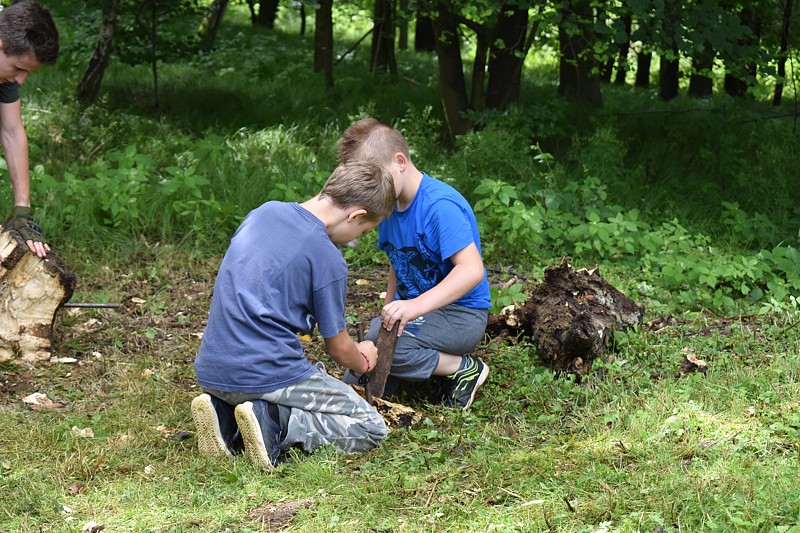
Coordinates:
<point>467,272</point>
<point>351,354</point>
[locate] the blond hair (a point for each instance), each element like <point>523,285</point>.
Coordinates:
<point>361,183</point>
<point>371,139</point>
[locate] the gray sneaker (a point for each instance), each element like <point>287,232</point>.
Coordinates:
<point>462,385</point>
<point>261,434</point>
<point>217,432</point>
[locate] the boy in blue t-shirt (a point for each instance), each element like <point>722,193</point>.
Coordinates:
<point>437,287</point>
<point>283,275</point>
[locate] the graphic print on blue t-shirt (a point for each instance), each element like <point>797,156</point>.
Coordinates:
<point>415,266</point>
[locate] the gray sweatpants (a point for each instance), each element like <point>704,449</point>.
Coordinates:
<point>453,329</point>
<point>320,411</point>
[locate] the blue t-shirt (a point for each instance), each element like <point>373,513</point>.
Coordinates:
<point>9,92</point>
<point>421,240</point>
<point>280,276</point>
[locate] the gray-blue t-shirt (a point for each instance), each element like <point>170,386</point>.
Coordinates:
<point>281,276</point>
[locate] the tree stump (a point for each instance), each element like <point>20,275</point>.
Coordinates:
<point>570,316</point>
<point>31,291</point>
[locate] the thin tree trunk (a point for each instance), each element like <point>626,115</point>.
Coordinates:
<point>624,50</point>
<point>402,25</point>
<point>154,56</point>
<point>89,85</point>
<point>643,62</point>
<point>578,80</point>
<point>382,57</point>
<point>424,38</point>
<point>777,98</point>
<point>323,41</point>
<point>670,75</point>
<point>504,62</point>
<point>267,13</point>
<point>701,84</point>
<point>451,72</point>
<point>211,22</point>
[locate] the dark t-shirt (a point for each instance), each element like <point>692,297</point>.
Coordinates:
<point>9,92</point>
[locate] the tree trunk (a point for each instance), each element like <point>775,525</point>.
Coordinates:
<point>578,80</point>
<point>505,60</point>
<point>670,73</point>
<point>451,72</point>
<point>738,78</point>
<point>424,38</point>
<point>89,85</point>
<point>154,54</point>
<point>323,41</point>
<point>478,93</point>
<point>382,56</point>
<point>643,61</point>
<point>777,98</point>
<point>701,85</point>
<point>31,291</point>
<point>624,50</point>
<point>402,25</point>
<point>207,32</point>
<point>267,13</point>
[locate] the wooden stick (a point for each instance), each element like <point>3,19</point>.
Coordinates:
<point>387,341</point>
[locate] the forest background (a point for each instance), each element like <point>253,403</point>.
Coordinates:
<point>657,139</point>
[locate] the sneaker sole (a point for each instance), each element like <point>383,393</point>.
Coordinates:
<point>209,437</point>
<point>254,447</point>
<point>481,380</point>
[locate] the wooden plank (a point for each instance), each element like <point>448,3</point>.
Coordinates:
<point>387,341</point>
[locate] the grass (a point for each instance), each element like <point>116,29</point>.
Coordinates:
<point>634,447</point>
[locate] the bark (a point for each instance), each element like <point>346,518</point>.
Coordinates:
<point>89,86</point>
<point>31,291</point>
<point>643,62</point>
<point>505,69</point>
<point>210,26</point>
<point>700,84</point>
<point>267,13</point>
<point>402,25</point>
<point>570,316</point>
<point>777,97</point>
<point>382,56</point>
<point>578,80</point>
<point>668,80</point>
<point>624,50</point>
<point>451,72</point>
<point>739,78</point>
<point>323,41</point>
<point>424,38</point>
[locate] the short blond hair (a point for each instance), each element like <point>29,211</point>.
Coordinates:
<point>370,138</point>
<point>361,183</point>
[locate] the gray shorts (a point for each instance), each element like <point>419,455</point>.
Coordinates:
<point>453,329</point>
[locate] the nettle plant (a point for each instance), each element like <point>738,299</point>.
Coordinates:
<point>689,270</point>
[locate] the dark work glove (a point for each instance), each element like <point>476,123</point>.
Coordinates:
<point>21,220</point>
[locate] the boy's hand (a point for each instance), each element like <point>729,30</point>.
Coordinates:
<point>398,310</point>
<point>370,351</point>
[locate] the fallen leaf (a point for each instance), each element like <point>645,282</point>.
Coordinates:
<point>92,527</point>
<point>86,433</point>
<point>37,400</point>
<point>362,282</point>
<point>76,488</point>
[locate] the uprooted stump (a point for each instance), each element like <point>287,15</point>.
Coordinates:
<point>31,291</point>
<point>570,316</point>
